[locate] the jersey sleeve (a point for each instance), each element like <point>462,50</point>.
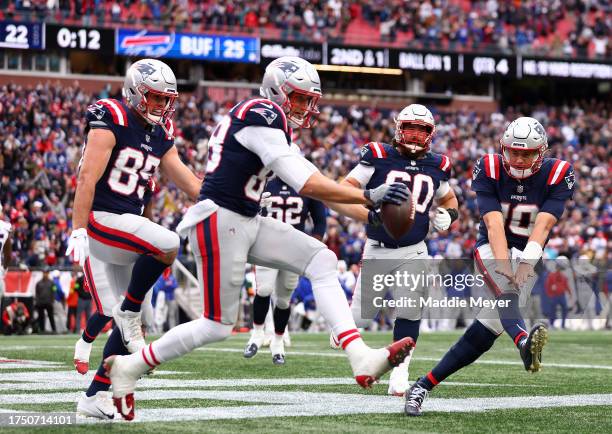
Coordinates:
<point>445,167</point>
<point>107,114</point>
<point>370,152</point>
<point>319,217</point>
<point>561,189</point>
<point>261,113</point>
<point>482,181</point>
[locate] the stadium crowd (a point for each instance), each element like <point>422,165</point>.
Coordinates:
<point>42,131</point>
<point>558,27</point>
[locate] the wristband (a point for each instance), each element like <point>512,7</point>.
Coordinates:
<point>453,213</point>
<point>532,253</point>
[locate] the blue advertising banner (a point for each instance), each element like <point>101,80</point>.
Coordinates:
<point>187,46</point>
<point>21,36</point>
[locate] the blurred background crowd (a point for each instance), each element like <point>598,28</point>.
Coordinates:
<point>42,132</point>
<point>551,27</point>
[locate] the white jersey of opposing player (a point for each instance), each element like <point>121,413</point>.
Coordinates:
<point>5,230</point>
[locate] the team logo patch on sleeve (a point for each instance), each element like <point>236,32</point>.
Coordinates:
<point>97,110</point>
<point>570,180</point>
<point>476,170</point>
<point>268,114</point>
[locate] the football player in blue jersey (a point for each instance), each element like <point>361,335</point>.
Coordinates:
<point>225,230</point>
<point>283,203</point>
<point>409,160</point>
<point>126,142</point>
<point>520,195</point>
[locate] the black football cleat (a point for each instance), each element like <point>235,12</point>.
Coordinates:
<point>414,400</point>
<point>250,350</point>
<point>531,351</point>
<point>278,359</point>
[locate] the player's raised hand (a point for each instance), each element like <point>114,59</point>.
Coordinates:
<point>78,246</point>
<point>395,193</point>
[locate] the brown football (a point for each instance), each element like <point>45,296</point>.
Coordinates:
<point>398,220</point>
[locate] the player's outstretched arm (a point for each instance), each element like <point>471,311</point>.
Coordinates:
<point>100,143</point>
<point>353,211</point>
<point>172,166</point>
<point>494,220</point>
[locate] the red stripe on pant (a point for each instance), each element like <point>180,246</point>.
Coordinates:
<point>497,291</point>
<point>217,265</point>
<point>203,254</point>
<point>92,286</point>
<point>101,379</point>
<point>148,247</point>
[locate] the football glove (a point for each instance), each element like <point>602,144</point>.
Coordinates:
<point>78,245</point>
<point>374,218</point>
<point>444,218</point>
<point>395,193</point>
<point>265,200</point>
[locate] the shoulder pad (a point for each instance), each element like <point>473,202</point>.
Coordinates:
<point>558,171</point>
<point>261,112</point>
<point>491,164</point>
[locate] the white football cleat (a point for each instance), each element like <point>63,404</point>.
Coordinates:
<point>377,362</point>
<point>254,344</point>
<point>398,381</point>
<point>99,406</point>
<point>333,342</point>
<point>82,350</point>
<point>123,378</point>
<point>130,327</point>
<point>277,348</point>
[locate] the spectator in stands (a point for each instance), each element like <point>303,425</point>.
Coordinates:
<point>45,296</point>
<point>16,318</point>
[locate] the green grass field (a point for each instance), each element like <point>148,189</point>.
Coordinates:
<point>215,389</point>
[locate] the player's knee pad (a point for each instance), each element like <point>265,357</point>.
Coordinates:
<point>283,301</point>
<point>322,266</point>
<point>168,241</point>
<point>264,290</point>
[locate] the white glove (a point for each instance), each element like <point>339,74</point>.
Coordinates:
<point>265,200</point>
<point>78,245</point>
<point>442,220</point>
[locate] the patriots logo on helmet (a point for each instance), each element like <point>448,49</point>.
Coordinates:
<point>265,113</point>
<point>288,67</point>
<point>145,70</point>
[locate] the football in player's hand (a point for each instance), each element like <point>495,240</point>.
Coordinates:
<point>398,220</point>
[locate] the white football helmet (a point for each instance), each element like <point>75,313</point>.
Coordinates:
<point>146,77</point>
<point>414,129</point>
<point>525,134</point>
<point>289,74</point>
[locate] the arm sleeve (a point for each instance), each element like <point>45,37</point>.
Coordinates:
<point>319,218</point>
<point>443,189</point>
<point>487,202</point>
<point>270,145</point>
<point>362,174</point>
